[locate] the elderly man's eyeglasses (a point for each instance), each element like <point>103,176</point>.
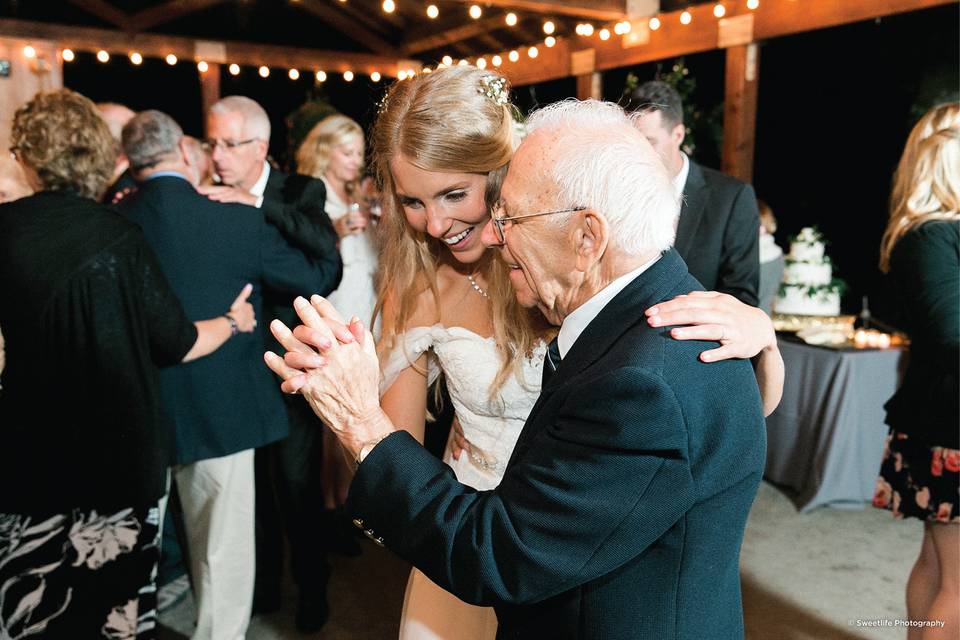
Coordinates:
<point>225,145</point>
<point>499,220</point>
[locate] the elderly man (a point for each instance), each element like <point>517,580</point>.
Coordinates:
<point>718,231</point>
<point>622,509</point>
<point>227,405</point>
<point>238,138</point>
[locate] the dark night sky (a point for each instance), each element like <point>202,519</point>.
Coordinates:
<point>835,107</point>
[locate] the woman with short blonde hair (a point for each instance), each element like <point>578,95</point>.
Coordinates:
<point>920,471</point>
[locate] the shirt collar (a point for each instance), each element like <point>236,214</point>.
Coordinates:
<point>167,174</point>
<point>261,184</point>
<point>575,323</point>
<point>680,180</point>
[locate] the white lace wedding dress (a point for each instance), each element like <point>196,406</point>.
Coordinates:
<point>470,364</point>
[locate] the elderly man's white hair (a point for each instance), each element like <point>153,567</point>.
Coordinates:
<point>601,161</point>
<point>256,122</point>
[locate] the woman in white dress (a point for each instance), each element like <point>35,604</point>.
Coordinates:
<point>441,145</point>
<point>333,151</point>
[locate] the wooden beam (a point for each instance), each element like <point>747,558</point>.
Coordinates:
<point>209,91</point>
<point>590,86</point>
<point>740,110</point>
<point>167,12</point>
<point>591,9</point>
<point>457,34</point>
<point>706,33</point>
<point>382,23</point>
<point>491,42</point>
<point>351,28</point>
<point>105,11</point>
<point>243,53</point>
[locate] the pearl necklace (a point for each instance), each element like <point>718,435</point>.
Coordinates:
<point>476,287</point>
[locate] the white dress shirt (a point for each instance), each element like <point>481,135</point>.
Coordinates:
<point>261,184</point>
<point>680,180</point>
<point>575,323</point>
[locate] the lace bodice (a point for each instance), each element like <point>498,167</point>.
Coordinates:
<point>471,362</point>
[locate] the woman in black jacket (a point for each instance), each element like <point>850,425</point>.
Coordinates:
<point>920,473</point>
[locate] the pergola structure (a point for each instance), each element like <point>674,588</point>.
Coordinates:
<point>527,40</point>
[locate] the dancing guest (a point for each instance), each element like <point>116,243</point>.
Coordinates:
<point>121,183</point>
<point>441,145</point>
<point>333,152</point>
<point>717,231</point>
<point>920,473</point>
<point>238,138</point>
<point>623,504</point>
<point>82,474</point>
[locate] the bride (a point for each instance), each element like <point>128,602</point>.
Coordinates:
<point>441,145</point>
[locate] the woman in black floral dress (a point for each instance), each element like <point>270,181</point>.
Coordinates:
<point>87,317</point>
<point>920,472</point>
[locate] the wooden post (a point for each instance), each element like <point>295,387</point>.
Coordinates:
<point>740,110</point>
<point>209,90</point>
<point>590,85</point>
<point>26,76</point>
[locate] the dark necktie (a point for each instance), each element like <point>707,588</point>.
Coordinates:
<point>550,362</point>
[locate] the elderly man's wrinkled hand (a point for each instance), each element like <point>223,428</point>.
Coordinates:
<point>743,331</point>
<point>335,368</point>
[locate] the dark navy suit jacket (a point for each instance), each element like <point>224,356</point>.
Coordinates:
<point>227,401</point>
<point>622,510</point>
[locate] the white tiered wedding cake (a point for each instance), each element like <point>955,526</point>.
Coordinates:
<point>808,286</point>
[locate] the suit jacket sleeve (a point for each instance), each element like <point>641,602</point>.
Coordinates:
<point>305,225</point>
<point>596,487</point>
<point>286,269</point>
<point>739,273</point>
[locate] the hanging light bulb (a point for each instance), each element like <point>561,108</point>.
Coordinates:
<point>29,52</point>
<point>447,61</point>
<point>753,4</point>
<point>321,76</point>
<point>511,19</point>
<point>401,75</point>
<point>550,41</point>
<point>234,69</point>
<point>654,23</point>
<point>171,59</point>
<point>719,10</point>
<point>588,29</point>
<point>497,61</point>
<point>481,63</point>
<point>136,58</point>
<point>103,56</point>
<point>462,63</point>
<point>549,27</point>
<point>202,66</point>
<point>533,52</point>
<point>348,76</point>
<point>476,12</point>
<point>264,71</point>
<point>293,74</point>
<point>433,12</point>
<point>375,76</point>
<point>67,55</point>
<point>685,17</point>
<point>389,6</point>
<point>514,56</point>
<point>426,70</point>
<point>604,34</point>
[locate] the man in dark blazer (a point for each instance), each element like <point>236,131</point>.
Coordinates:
<point>718,231</point>
<point>226,405</point>
<point>238,135</point>
<point>621,512</point>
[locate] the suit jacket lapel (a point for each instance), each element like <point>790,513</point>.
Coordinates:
<point>621,313</point>
<point>691,212</point>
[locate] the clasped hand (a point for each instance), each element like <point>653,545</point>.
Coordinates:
<point>334,366</point>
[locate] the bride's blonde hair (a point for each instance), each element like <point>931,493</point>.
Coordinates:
<point>926,185</point>
<point>455,119</point>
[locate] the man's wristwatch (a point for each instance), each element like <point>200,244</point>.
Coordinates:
<point>234,327</point>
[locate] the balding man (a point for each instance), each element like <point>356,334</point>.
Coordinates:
<point>238,137</point>
<point>122,184</point>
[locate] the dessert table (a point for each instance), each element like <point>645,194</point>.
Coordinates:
<point>825,440</point>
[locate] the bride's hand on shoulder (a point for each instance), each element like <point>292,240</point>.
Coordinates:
<point>743,331</point>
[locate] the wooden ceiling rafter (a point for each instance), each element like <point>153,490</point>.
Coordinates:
<point>450,36</point>
<point>378,23</point>
<point>351,28</point>
<point>587,9</point>
<point>105,11</point>
<point>370,8</point>
<point>223,52</point>
<point>168,12</point>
